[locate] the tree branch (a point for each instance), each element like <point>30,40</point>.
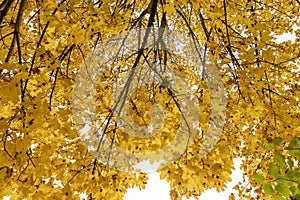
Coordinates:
<point>16,33</point>
<point>4,7</point>
<point>233,58</point>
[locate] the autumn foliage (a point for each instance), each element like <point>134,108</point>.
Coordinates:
<point>44,43</point>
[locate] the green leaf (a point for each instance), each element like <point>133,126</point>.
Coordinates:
<point>295,153</point>
<point>267,188</point>
<point>293,174</point>
<point>294,143</point>
<point>259,178</point>
<point>294,147</point>
<point>297,196</point>
<point>293,190</point>
<point>269,146</point>
<point>283,189</point>
<point>279,198</point>
<point>278,141</point>
<point>274,170</point>
<point>279,159</point>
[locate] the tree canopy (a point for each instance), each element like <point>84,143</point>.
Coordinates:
<point>45,44</point>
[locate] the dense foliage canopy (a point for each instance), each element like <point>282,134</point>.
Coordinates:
<point>43,43</point>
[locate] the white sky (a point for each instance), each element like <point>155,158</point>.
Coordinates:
<point>159,189</point>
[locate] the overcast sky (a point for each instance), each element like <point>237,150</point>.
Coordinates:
<point>159,189</point>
